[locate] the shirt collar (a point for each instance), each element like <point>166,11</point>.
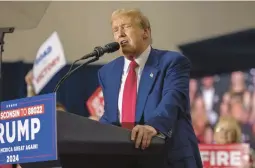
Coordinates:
<point>140,60</point>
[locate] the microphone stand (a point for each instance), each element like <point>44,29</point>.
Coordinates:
<point>74,70</point>
<point>2,33</point>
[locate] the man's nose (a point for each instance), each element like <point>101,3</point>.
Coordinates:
<point>121,33</point>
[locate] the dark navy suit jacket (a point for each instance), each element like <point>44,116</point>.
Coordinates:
<point>162,102</point>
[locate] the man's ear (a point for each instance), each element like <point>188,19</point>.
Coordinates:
<point>146,33</point>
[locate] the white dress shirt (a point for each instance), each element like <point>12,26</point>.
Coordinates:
<point>140,60</point>
<point>208,96</point>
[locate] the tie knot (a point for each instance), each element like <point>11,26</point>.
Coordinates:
<point>133,64</point>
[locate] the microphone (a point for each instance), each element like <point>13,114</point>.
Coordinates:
<point>97,53</point>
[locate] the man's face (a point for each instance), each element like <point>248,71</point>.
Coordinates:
<point>129,34</point>
<point>208,81</point>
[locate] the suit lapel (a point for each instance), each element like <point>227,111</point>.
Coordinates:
<point>147,80</point>
<point>116,74</point>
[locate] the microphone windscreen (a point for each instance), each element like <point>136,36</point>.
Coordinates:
<point>112,47</point>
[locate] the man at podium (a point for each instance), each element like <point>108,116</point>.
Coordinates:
<point>147,91</point>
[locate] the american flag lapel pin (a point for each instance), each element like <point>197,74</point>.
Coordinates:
<point>151,75</point>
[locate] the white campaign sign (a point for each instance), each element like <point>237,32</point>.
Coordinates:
<point>50,59</point>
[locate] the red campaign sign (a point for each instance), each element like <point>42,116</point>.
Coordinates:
<point>224,156</point>
<point>95,103</point>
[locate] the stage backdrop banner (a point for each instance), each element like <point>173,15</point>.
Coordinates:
<point>28,130</point>
<point>224,156</point>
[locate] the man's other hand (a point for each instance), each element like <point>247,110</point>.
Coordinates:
<point>142,135</point>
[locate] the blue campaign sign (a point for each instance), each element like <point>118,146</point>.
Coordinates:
<point>28,131</point>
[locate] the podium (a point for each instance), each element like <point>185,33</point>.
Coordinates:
<point>87,143</point>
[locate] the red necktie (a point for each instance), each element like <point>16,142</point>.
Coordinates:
<point>129,97</point>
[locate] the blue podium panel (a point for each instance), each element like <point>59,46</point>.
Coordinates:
<point>28,131</point>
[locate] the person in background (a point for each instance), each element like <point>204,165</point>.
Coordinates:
<point>228,131</point>
<point>60,107</point>
<point>193,90</point>
<point>224,109</point>
<point>224,106</point>
<point>208,134</point>
<point>238,86</point>
<point>211,98</point>
<point>237,108</point>
<point>28,80</point>
<point>252,116</point>
<point>240,113</point>
<point>199,118</point>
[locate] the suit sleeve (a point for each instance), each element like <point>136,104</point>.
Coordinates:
<point>103,119</point>
<point>175,100</point>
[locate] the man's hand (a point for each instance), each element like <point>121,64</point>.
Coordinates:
<point>142,135</point>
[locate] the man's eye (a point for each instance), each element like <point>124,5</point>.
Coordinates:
<point>115,30</point>
<point>127,26</point>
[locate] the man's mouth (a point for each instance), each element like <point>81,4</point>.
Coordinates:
<point>123,42</point>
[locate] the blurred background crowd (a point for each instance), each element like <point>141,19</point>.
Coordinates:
<point>213,97</point>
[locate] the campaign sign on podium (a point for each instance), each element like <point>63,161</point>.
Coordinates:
<point>28,130</point>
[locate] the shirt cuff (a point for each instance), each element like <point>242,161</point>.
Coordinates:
<point>160,135</point>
